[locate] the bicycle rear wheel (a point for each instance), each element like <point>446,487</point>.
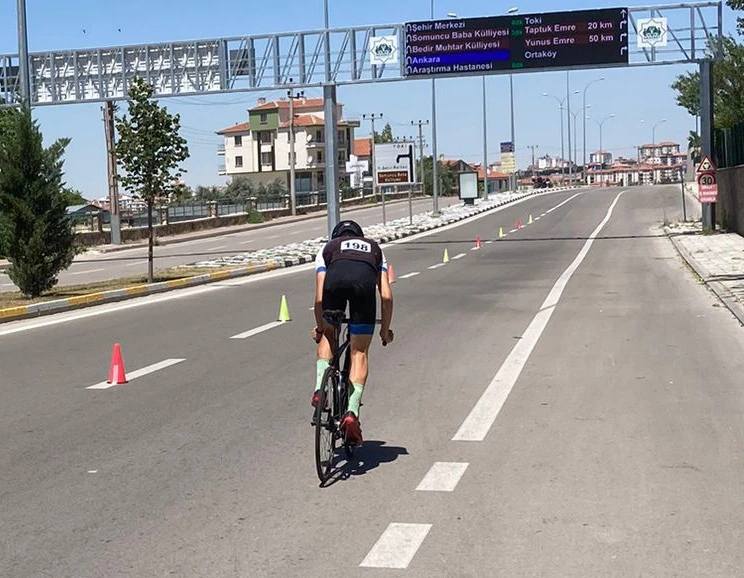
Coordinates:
<point>326,434</point>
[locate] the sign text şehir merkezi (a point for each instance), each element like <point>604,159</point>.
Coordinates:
<point>481,45</point>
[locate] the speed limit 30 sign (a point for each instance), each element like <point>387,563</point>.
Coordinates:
<point>707,182</point>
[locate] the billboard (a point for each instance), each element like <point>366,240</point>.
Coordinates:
<point>395,163</point>
<point>530,41</point>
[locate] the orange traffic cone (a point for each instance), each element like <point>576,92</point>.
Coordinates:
<point>117,374</point>
<point>391,273</point>
<point>478,242</point>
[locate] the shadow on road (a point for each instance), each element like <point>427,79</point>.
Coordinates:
<point>366,458</point>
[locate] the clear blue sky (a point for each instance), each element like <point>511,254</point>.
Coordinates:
<point>633,95</point>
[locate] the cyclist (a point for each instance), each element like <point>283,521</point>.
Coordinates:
<point>347,270</point>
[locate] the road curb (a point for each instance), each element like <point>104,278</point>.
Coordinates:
<point>719,289</point>
<point>102,297</point>
<point>234,229</point>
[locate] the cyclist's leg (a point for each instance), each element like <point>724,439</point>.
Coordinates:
<point>333,298</point>
<point>363,309</point>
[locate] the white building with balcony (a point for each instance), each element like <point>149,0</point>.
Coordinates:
<point>260,147</point>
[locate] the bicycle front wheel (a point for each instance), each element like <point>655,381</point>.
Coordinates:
<point>326,434</point>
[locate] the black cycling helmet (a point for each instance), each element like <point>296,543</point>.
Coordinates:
<point>347,229</point>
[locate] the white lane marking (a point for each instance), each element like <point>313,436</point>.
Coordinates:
<point>139,373</point>
<point>514,230</point>
<point>538,218</point>
<point>475,248</point>
<point>88,271</point>
<point>559,205</point>
<point>442,477</point>
<point>272,237</point>
<point>489,242</point>
<point>409,275</point>
<point>28,325</point>
<point>246,242</point>
<point>460,255</point>
<point>258,330</point>
<point>137,264</point>
<point>218,248</point>
<point>481,418</point>
<point>397,546</point>
<point>437,266</point>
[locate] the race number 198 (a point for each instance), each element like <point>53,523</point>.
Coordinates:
<point>355,245</point>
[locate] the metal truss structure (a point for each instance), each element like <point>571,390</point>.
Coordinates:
<point>295,59</point>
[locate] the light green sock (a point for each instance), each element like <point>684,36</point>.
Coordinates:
<point>355,399</point>
<point>321,366</point>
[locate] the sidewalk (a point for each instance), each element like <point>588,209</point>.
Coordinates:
<point>717,259</point>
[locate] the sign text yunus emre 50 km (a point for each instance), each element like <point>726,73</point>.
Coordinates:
<point>550,40</point>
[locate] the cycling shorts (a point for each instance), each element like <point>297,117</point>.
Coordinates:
<point>353,283</point>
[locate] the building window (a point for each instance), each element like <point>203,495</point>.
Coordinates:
<point>263,118</point>
<point>319,135</point>
<point>238,141</point>
<point>265,158</point>
<point>238,162</point>
<point>319,157</point>
<point>341,136</point>
<point>265,138</point>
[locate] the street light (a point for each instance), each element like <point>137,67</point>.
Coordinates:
<point>561,102</point>
<point>435,158</point>
<point>585,107</point>
<point>600,123</point>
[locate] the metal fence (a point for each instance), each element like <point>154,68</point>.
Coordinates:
<point>730,146</point>
<point>191,211</point>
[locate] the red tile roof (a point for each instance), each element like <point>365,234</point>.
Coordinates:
<point>362,147</point>
<point>491,173</point>
<point>284,103</point>
<point>236,129</point>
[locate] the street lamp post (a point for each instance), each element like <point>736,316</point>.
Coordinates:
<point>561,102</point>
<point>600,123</point>
<point>512,10</point>
<point>372,118</point>
<point>23,70</point>
<point>292,155</point>
<point>434,152</point>
<point>584,106</point>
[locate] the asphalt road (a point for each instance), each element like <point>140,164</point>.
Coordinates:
<point>91,267</point>
<point>593,389</point>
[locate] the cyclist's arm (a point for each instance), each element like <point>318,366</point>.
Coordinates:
<point>386,302</point>
<point>319,281</point>
<point>320,275</point>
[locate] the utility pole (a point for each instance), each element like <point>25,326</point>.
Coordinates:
<point>421,124</point>
<point>113,182</point>
<point>584,107</point>
<point>561,102</point>
<point>706,133</point>
<point>330,108</point>
<point>434,152</point>
<point>372,118</point>
<point>514,144</point>
<point>485,141</point>
<point>23,61</point>
<point>533,148</point>
<point>568,108</point>
<point>292,156</point>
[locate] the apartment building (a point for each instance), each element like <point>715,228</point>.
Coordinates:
<point>260,147</point>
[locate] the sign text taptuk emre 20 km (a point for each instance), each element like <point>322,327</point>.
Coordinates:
<point>482,45</point>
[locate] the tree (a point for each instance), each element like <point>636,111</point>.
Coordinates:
<point>728,86</point>
<point>150,151</point>
<point>447,177</point>
<point>73,197</point>
<point>37,236</point>
<point>386,135</point>
<point>694,145</point>
<point>737,5</point>
<point>181,193</point>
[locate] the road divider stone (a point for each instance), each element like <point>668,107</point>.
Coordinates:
<point>265,260</point>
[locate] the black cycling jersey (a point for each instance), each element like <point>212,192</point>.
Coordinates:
<point>351,249</point>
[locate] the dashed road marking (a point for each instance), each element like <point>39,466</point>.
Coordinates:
<point>442,477</point>
<point>409,275</point>
<point>139,373</point>
<point>458,256</point>
<point>481,418</point>
<point>489,242</point>
<point>437,266</point>
<point>514,230</point>
<point>397,546</point>
<point>258,330</point>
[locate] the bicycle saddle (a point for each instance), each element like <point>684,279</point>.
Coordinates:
<point>334,317</point>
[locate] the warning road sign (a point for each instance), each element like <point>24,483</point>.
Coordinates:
<point>706,166</point>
